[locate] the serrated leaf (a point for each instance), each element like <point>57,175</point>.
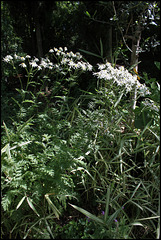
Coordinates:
<point>6,130</point>
<point>16,102</point>
<point>24,125</point>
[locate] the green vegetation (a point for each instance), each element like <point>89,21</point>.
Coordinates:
<point>80,142</point>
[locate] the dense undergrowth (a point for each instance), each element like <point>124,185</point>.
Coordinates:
<point>78,163</point>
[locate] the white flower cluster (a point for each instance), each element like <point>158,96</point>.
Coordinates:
<point>44,63</point>
<point>151,104</point>
<point>8,58</point>
<point>66,59</point>
<point>70,59</point>
<point>64,53</point>
<point>121,77</point>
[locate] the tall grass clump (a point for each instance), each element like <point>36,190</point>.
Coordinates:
<point>123,158</point>
<point>68,145</point>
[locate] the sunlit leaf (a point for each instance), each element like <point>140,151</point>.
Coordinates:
<point>32,206</point>
<point>20,202</point>
<point>88,214</point>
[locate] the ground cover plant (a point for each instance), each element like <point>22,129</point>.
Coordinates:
<point>76,163</point>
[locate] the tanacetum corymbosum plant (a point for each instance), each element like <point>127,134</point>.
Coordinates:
<point>76,148</point>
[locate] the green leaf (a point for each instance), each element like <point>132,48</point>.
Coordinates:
<point>133,66</point>
<point>20,145</point>
<point>153,217</point>
<point>90,53</point>
<point>88,214</point>
<point>6,149</point>
<point>49,229</point>
<point>119,99</point>
<point>107,203</point>
<point>87,14</point>
<point>20,202</point>
<point>55,210</point>
<point>28,101</point>
<point>32,206</point>
<point>101,46</point>
<point>113,216</point>
<point>137,224</point>
<point>157,64</point>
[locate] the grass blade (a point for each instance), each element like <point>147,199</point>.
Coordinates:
<point>32,206</point>
<point>49,229</point>
<point>55,210</point>
<point>90,53</point>
<point>101,46</point>
<point>88,214</point>
<point>107,203</point>
<point>6,149</point>
<point>20,202</point>
<point>113,216</point>
<point>20,145</point>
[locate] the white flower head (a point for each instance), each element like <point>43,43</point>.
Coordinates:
<point>15,56</point>
<point>55,49</point>
<point>101,66</point>
<point>39,68</point>
<point>51,50</point>
<point>64,60</point>
<point>79,56</point>
<point>8,58</point>
<point>58,52</point>
<point>36,59</point>
<point>50,64</point>
<point>89,67</point>
<point>22,58</point>
<point>28,56</point>
<point>33,64</point>
<point>71,64</point>
<point>23,65</point>
<point>43,64</point>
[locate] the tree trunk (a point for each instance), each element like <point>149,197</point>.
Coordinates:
<point>38,37</point>
<point>134,61</point>
<point>109,44</point>
<point>134,58</point>
<point>38,29</point>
